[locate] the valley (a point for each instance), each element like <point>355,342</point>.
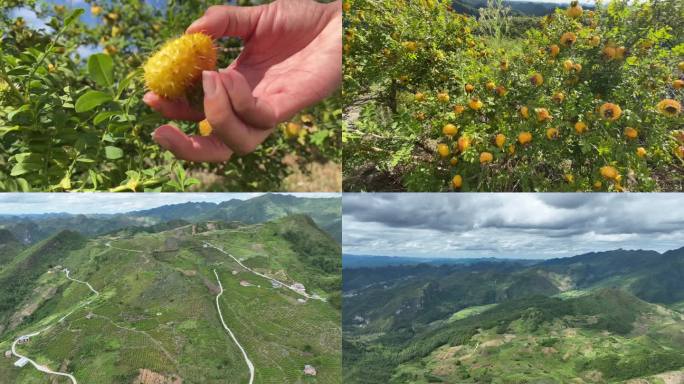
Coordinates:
<point>601,317</point>
<point>203,302</point>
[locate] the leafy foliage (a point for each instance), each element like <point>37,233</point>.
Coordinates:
<point>412,68</point>
<point>70,124</point>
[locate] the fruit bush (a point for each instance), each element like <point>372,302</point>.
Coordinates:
<point>586,100</point>
<point>68,123</point>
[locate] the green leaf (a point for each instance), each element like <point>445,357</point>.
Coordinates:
<point>113,153</point>
<point>73,16</point>
<point>100,69</point>
<point>90,100</point>
<point>102,116</point>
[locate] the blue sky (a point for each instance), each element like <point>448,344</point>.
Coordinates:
<point>524,225</point>
<point>92,203</point>
<point>34,22</point>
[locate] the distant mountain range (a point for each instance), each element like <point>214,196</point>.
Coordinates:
<point>527,8</point>
<point>367,261</point>
<point>326,212</point>
<point>473,322</point>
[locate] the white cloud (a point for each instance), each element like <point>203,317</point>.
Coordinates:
<point>32,20</point>
<point>509,225</point>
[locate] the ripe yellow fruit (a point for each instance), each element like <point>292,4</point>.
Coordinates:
<point>543,115</point>
<point>179,64</point>
<point>449,130</point>
<point>469,88</point>
<point>95,10</point>
<point>490,85</point>
<point>205,128</point>
<point>292,130</point>
<point>569,177</point>
<point>575,9</point>
<point>631,133</point>
<point>554,50</point>
<point>504,65</point>
<point>463,143</point>
<point>609,172</point>
<point>346,6</point>
<point>458,109</point>
<point>678,84</point>
<point>594,41</point>
<point>116,31</point>
<point>568,65</point>
<point>681,65</point>
<point>486,157</point>
<point>420,96</point>
<point>641,152</point>
<point>443,150</point>
<point>457,181</point>
<point>111,50</point>
<point>524,112</point>
<point>500,140</point>
<point>443,97</point>
<point>610,111</point>
<point>609,52</point>
<point>537,79</point>
<point>420,116</point>
<point>475,104</point>
<point>597,185</point>
<point>580,127</point>
<point>511,149</point>
<point>51,68</point>
<point>453,161</point>
<point>410,46</point>
<point>669,107</point>
<point>620,53</point>
<point>524,138</point>
<point>679,151</point>
<point>501,91</point>
<point>568,39</point>
<point>558,97</point>
<point>552,133</point>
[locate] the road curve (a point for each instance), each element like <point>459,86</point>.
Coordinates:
<point>264,276</point>
<point>43,368</point>
<point>244,354</point>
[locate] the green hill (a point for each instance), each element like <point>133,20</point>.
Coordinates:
<point>156,310</point>
<point>591,318</point>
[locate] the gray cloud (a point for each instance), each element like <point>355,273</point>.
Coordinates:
<point>510,225</point>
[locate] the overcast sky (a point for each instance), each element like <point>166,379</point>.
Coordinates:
<point>509,225</point>
<point>31,203</point>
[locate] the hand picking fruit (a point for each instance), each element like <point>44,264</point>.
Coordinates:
<point>292,58</point>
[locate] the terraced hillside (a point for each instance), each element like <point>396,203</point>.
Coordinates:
<point>596,318</point>
<point>155,319</point>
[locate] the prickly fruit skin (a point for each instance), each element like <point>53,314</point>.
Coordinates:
<point>205,128</point>
<point>178,65</point>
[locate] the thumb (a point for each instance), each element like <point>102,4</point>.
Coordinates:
<point>228,20</point>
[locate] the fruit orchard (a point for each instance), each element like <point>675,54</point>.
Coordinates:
<point>74,123</point>
<point>585,100</point>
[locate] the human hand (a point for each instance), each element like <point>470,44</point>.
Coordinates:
<point>292,58</point>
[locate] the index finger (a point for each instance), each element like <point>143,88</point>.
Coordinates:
<point>228,20</point>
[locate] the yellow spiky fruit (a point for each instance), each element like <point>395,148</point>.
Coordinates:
<point>205,128</point>
<point>178,65</point>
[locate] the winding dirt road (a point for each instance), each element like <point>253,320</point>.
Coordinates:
<point>264,276</point>
<point>43,368</point>
<point>244,354</point>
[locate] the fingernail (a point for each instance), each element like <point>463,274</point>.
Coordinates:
<point>195,23</point>
<point>208,83</point>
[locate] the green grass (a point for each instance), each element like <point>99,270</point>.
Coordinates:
<point>156,311</point>
<point>470,311</point>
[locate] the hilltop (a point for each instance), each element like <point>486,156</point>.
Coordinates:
<point>155,314</point>
<point>599,317</point>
